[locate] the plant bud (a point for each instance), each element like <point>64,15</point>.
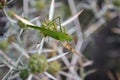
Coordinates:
<point>54,67</point>
<point>37,63</point>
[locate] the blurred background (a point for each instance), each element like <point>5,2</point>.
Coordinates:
<point>98,27</point>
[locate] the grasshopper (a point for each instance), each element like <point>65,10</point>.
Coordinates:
<point>52,32</point>
<point>46,29</point>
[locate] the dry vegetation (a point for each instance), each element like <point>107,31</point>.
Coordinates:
<point>83,45</point>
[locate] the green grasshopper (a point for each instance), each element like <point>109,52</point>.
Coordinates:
<point>46,29</point>
<point>50,29</point>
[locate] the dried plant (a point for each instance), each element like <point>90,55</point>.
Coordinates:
<point>35,49</point>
